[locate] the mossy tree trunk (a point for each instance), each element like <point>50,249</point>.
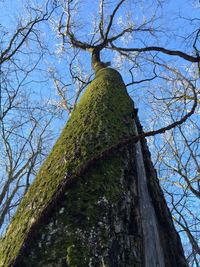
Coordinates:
<point>92,204</point>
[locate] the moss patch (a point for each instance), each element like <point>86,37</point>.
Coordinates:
<point>101,119</point>
<point>77,233</point>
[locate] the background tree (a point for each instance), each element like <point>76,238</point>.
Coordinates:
<point>168,78</point>
<point>24,121</point>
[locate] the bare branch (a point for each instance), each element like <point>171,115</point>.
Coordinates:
<point>158,49</point>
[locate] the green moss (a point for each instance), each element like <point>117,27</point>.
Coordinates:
<point>101,119</point>
<point>75,225</point>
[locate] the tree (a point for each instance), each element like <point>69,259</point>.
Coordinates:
<point>24,126</point>
<point>100,208</point>
<point>107,40</point>
<point>170,87</point>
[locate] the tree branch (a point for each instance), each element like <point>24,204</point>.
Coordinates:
<point>159,49</point>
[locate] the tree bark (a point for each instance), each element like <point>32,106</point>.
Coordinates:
<point>86,210</point>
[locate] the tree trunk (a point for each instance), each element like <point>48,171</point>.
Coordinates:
<point>95,203</point>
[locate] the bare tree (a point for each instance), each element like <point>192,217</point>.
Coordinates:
<point>24,122</point>
<point>177,98</point>
<point>164,79</point>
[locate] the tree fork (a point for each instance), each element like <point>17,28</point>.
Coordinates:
<point>97,64</point>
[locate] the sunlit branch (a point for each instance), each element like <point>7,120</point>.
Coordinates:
<point>158,49</point>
